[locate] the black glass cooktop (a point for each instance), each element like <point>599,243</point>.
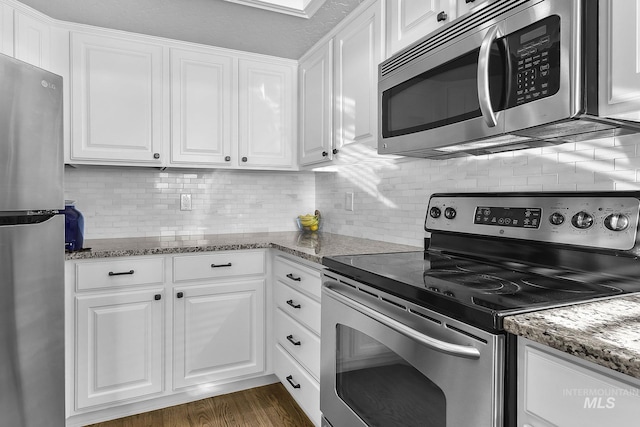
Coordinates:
<point>468,289</point>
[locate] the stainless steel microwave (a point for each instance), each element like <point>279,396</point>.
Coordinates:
<point>513,74</point>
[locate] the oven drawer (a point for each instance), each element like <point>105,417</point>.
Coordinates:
<point>127,271</point>
<point>302,386</point>
<point>299,341</point>
<point>218,264</point>
<point>298,306</point>
<point>298,276</point>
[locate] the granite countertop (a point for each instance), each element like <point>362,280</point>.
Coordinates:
<point>309,246</point>
<point>605,332</point>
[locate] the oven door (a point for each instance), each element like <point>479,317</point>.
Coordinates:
<point>386,362</point>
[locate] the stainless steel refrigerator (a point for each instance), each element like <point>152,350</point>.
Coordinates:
<point>31,247</point>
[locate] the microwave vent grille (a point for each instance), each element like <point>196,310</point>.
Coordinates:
<point>458,27</point>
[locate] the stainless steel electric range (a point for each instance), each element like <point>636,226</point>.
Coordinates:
<point>416,338</point>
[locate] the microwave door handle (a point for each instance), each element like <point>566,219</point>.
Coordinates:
<point>484,95</point>
<point>433,343</point>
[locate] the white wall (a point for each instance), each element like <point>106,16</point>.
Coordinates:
<point>390,198</point>
<point>138,202</point>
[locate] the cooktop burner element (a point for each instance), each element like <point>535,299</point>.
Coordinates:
<point>480,267</point>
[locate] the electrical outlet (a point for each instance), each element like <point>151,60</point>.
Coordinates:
<point>348,201</point>
<point>185,202</point>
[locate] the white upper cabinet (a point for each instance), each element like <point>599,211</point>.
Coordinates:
<point>315,106</point>
<point>357,55</point>
<point>410,20</point>
<point>619,59</point>
<point>32,38</point>
<point>266,114</point>
<point>117,99</point>
<point>6,30</point>
<point>201,108</point>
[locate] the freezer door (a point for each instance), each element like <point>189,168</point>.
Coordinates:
<point>32,324</point>
<point>31,150</point>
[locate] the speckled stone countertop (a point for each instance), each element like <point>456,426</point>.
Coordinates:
<point>309,246</point>
<point>605,332</point>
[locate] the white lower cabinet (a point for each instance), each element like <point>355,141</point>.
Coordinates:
<point>297,332</point>
<point>556,389</point>
<point>218,332</point>
<point>119,346</point>
<point>145,332</point>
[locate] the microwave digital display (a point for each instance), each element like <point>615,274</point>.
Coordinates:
<point>533,34</point>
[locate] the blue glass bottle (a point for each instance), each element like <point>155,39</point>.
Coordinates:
<point>73,227</point>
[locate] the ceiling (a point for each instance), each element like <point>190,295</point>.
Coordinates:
<point>211,22</point>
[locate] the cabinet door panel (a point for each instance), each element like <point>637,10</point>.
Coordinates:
<point>620,59</point>
<point>266,121</point>
<point>201,107</point>
<point>218,332</point>
<point>410,20</point>
<point>119,347</point>
<point>357,58</point>
<point>6,30</point>
<point>117,100</point>
<point>32,38</point>
<point>316,122</point>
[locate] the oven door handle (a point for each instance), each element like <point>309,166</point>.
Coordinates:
<point>433,343</point>
<point>484,92</point>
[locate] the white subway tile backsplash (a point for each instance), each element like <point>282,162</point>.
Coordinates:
<point>138,202</point>
<point>604,164</point>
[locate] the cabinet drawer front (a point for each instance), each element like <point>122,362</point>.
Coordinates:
<point>292,375</point>
<point>299,341</point>
<point>121,272</point>
<point>298,306</point>
<point>214,265</point>
<point>298,276</point>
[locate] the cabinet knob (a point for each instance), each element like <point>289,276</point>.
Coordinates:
<point>244,159</point>
<point>157,297</point>
<point>335,151</point>
<point>179,295</point>
<point>469,1</point>
<point>156,155</point>
<point>325,154</point>
<point>227,158</point>
<point>442,16</point>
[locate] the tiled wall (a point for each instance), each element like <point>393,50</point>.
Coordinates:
<point>137,202</point>
<point>390,198</point>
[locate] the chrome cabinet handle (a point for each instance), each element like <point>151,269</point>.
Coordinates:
<point>290,302</point>
<point>433,343</point>
<point>221,265</point>
<point>484,96</point>
<point>122,273</point>
<point>290,379</point>
<point>294,278</point>
<point>292,341</point>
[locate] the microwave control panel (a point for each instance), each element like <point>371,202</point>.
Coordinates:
<point>535,57</point>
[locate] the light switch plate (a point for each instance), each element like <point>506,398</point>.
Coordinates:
<point>185,202</point>
<point>348,201</point>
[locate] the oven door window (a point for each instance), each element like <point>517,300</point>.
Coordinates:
<point>444,95</point>
<point>381,387</point>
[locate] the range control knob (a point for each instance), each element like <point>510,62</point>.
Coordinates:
<point>450,213</point>
<point>616,222</point>
<point>556,218</point>
<point>435,212</point>
<point>582,220</point>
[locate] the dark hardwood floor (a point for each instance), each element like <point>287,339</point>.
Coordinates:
<point>267,406</point>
